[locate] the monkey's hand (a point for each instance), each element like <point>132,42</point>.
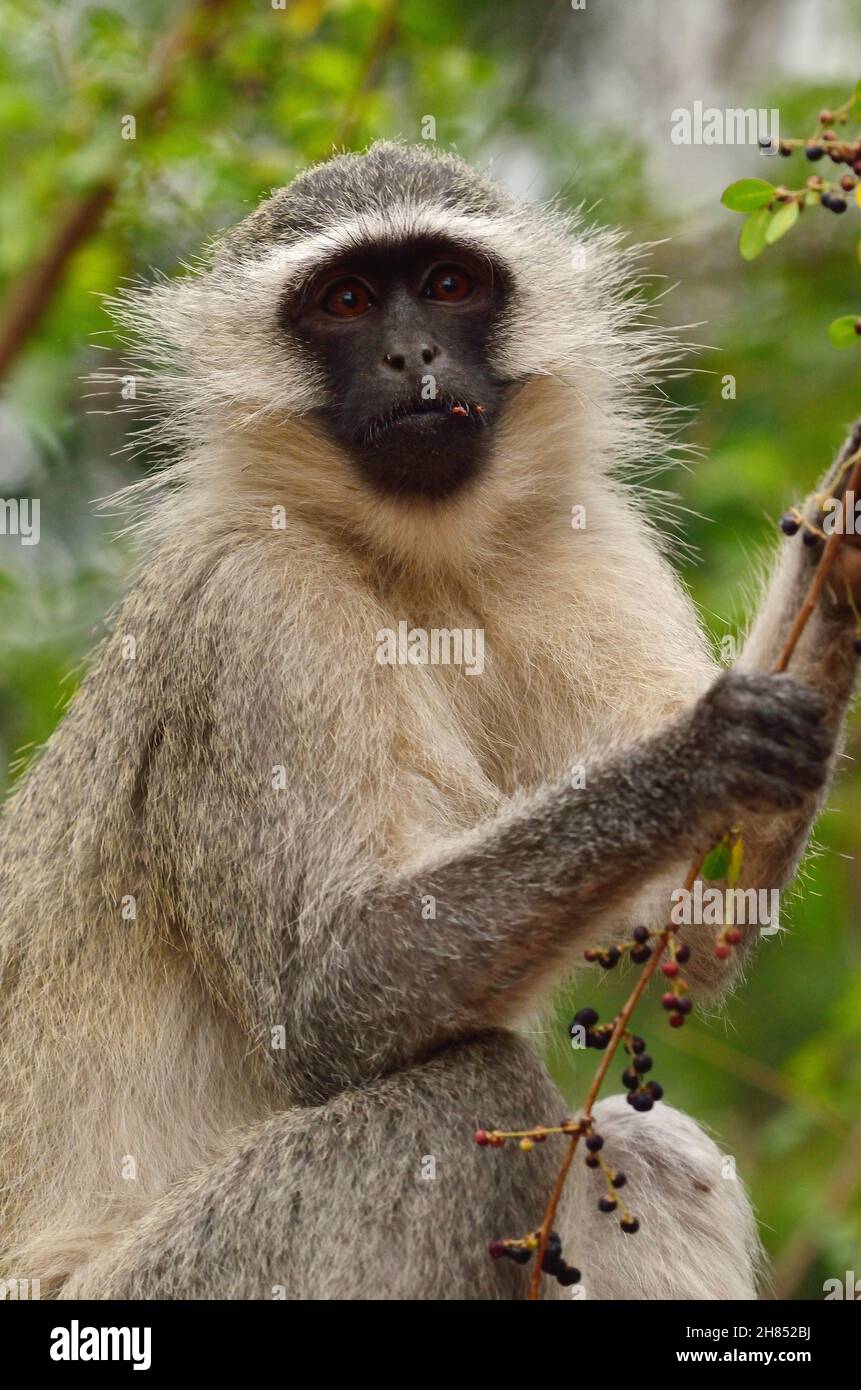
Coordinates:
<point>757,742</point>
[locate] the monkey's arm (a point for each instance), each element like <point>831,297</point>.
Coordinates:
<point>348,964</point>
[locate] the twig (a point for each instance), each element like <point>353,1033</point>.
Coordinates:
<point>383,39</point>
<point>29,300</point>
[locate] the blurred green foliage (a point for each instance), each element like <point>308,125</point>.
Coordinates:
<point>778,1075</point>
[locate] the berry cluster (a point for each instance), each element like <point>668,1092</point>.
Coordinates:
<point>726,940</point>
<point>794,521</point>
<point>639,949</point>
<point>526,1138</point>
<point>828,142</point>
<point>676,1001</point>
<point>520,1251</point>
<point>642,1094</point>
<point>596,1035</point>
<point>615,1179</point>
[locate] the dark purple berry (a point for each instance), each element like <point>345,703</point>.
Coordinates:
<point>684,1004</point>
<point>569,1275</point>
<point>586,1017</point>
<point>618,1179</point>
<point>789,524</point>
<point>607,1203</point>
<point>630,1079</point>
<point>519,1254</point>
<point>594,1143</point>
<point>641,934</point>
<point>655,1089</point>
<point>643,1063</point>
<point>630,1225</point>
<point>638,1045</point>
<point>641,1101</point>
<point>683,953</point>
<point>813,151</point>
<point>856,645</point>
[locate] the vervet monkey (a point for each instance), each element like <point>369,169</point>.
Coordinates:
<point>241,1058</point>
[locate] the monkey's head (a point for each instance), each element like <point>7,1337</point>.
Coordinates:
<point>396,330</point>
<point>403,330</point>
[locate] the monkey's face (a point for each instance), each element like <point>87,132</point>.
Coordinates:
<point>403,335</point>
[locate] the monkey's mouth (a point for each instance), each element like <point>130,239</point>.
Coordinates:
<point>441,413</point>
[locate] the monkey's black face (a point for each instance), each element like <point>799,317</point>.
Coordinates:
<point>402,334</point>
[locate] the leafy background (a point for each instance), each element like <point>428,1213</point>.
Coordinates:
<point>231,99</point>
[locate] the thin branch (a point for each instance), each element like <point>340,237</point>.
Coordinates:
<point>30,298</point>
<point>384,38</point>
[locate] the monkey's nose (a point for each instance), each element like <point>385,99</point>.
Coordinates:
<point>423,355</point>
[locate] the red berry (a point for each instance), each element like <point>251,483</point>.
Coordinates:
<point>722,951</point>
<point>733,936</point>
<point>670,969</point>
<point>668,1001</point>
<point>482,1137</point>
<point>676,1020</point>
<point>496,1249</point>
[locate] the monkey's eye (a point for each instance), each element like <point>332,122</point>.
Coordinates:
<point>450,284</point>
<point>347,299</point>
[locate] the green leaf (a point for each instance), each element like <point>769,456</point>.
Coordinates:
<point>753,234</point>
<point>785,217</point>
<point>716,862</point>
<point>856,101</point>
<point>746,195</point>
<point>842,331</point>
